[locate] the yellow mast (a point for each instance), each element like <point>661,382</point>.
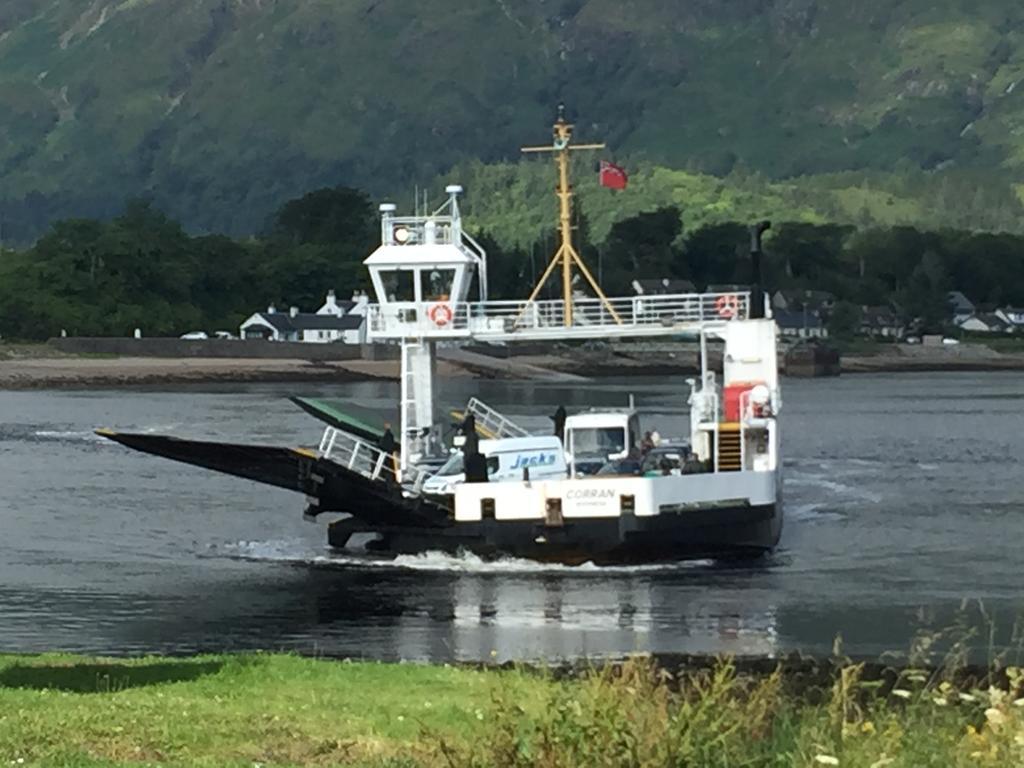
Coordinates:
<point>567,255</point>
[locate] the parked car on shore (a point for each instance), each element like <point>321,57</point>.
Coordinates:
<point>195,335</point>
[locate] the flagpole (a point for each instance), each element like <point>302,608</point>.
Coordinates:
<point>566,254</point>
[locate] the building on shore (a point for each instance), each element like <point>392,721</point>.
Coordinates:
<point>803,324</point>
<point>335,321</point>
<point>984,322</point>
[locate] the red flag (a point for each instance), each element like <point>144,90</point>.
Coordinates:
<point>612,176</point>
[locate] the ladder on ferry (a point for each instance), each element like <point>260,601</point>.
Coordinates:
<point>729,451</point>
<point>490,423</point>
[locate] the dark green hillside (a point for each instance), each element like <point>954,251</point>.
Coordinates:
<point>223,110</point>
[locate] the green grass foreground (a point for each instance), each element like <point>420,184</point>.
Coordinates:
<point>265,710</point>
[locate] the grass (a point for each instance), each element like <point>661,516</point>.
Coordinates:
<point>265,710</point>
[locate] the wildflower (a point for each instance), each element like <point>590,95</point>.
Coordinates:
<point>401,718</point>
<point>867,727</point>
<point>826,759</point>
<point>995,717</point>
<point>494,654</point>
<point>1018,702</point>
<point>903,693</point>
<point>967,697</point>
<point>940,701</point>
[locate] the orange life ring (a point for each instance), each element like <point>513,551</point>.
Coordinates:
<point>728,305</point>
<point>440,315</point>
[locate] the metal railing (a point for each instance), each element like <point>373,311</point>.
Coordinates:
<point>368,460</point>
<point>492,422</point>
<point>539,318</point>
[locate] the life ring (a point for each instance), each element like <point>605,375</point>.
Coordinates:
<point>440,315</point>
<point>728,305</point>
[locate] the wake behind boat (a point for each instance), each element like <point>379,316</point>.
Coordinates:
<point>599,487</point>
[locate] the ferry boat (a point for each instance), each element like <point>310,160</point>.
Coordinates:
<point>593,489</point>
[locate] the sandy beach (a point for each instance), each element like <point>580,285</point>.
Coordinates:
<point>72,372</point>
<point>40,368</point>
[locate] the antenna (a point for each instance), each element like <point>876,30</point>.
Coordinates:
<point>567,255</point>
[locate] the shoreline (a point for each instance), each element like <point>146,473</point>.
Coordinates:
<point>77,372</point>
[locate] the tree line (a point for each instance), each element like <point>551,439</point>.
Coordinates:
<point>141,269</point>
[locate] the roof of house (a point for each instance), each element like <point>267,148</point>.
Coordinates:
<point>664,285</point>
<point>806,298</point>
<point>992,322</point>
<point>959,302</point>
<point>345,307</point>
<point>729,288</point>
<point>879,317</point>
<point>790,319</point>
<point>284,322</point>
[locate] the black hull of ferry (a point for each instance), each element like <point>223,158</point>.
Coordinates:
<point>739,533</point>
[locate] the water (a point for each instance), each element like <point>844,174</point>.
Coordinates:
<point>903,499</point>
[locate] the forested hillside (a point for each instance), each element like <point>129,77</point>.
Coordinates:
<point>863,112</point>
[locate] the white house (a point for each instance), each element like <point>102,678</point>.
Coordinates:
<point>794,300</point>
<point>800,325</point>
<point>1012,316</point>
<point>881,323</point>
<point>335,321</point>
<point>985,323</point>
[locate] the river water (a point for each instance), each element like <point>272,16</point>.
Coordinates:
<point>904,513</point>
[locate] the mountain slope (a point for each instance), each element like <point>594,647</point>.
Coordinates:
<point>222,109</point>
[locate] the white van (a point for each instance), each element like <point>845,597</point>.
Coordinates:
<point>506,460</point>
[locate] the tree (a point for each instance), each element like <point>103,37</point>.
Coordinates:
<point>331,216</point>
<point>717,253</point>
<point>844,320</point>
<point>926,297</point>
<point>642,246</point>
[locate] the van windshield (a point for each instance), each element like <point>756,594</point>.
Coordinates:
<point>456,466</point>
<point>453,466</point>
<point>598,441</point>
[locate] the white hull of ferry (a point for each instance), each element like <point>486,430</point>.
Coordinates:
<point>734,515</point>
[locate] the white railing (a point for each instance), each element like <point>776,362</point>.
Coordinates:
<point>368,460</point>
<point>492,422</point>
<point>508,319</point>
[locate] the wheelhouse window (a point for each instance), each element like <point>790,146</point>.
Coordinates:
<point>436,284</point>
<point>398,284</point>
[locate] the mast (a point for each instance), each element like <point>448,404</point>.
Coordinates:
<point>567,255</point>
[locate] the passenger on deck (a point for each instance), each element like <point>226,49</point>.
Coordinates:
<point>387,442</point>
<point>646,444</point>
<point>693,465</point>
